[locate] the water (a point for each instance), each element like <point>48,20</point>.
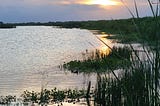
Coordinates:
<point>29,56</point>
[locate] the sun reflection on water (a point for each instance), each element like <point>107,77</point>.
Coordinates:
<point>103,48</point>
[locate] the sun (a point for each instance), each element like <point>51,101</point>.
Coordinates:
<point>102,2</point>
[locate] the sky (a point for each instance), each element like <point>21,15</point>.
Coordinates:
<point>68,10</point>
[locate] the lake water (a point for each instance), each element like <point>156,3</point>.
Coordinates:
<point>29,56</point>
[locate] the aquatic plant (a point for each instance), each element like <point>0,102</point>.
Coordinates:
<point>5,100</point>
<point>97,61</point>
<point>53,96</point>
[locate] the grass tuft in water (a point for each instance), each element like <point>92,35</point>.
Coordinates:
<point>97,61</point>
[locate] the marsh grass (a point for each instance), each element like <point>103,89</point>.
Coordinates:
<point>134,87</point>
<point>98,61</point>
<point>139,84</point>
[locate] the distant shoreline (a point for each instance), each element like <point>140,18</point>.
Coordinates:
<point>6,26</point>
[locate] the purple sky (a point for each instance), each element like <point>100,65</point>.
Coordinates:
<point>65,10</point>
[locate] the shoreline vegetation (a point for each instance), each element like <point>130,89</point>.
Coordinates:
<point>124,30</point>
<point>45,97</point>
<point>6,26</point>
<point>138,83</point>
<point>100,62</point>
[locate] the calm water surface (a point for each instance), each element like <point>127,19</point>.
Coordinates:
<point>29,57</point>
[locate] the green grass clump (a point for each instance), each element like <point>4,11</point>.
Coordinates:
<point>100,62</point>
<point>134,87</point>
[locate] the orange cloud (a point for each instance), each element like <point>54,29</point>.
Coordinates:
<point>101,2</point>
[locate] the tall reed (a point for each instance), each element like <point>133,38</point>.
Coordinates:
<point>137,85</point>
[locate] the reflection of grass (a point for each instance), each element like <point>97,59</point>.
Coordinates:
<point>99,62</point>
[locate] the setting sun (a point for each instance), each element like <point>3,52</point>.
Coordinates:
<point>102,2</point>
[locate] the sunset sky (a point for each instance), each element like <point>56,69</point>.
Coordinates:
<point>67,10</point>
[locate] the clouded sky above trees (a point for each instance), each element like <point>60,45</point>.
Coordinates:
<point>66,10</point>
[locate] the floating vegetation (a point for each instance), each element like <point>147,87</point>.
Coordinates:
<point>53,96</point>
<point>7,99</point>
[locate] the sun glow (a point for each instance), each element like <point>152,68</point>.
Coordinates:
<point>103,48</point>
<point>102,2</point>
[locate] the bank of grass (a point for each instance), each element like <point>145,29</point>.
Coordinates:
<point>125,30</point>
<point>99,62</point>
